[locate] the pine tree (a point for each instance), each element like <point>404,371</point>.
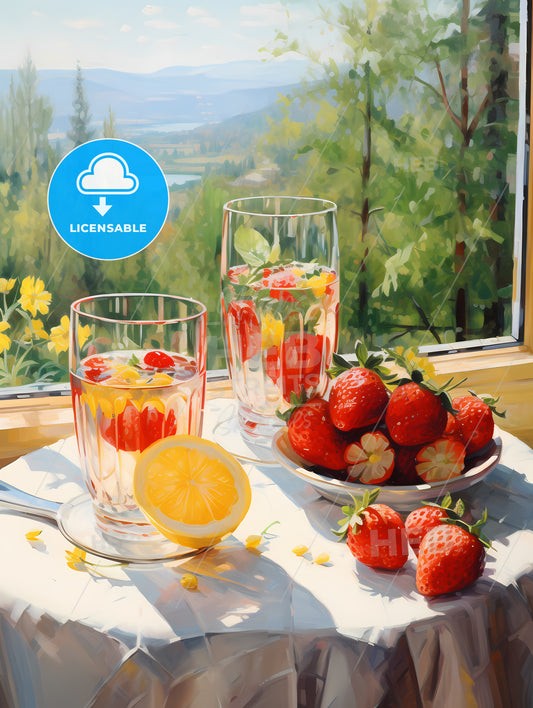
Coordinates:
<point>110,126</point>
<point>80,132</point>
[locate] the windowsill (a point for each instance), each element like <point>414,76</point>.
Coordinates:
<point>29,423</point>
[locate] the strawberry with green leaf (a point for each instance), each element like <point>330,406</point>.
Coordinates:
<point>375,533</point>
<point>417,409</point>
<point>474,422</point>
<point>451,556</point>
<point>421,520</point>
<point>358,396</point>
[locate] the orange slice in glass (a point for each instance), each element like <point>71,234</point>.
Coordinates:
<point>191,490</point>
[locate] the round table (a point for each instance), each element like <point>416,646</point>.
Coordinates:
<point>264,627</point>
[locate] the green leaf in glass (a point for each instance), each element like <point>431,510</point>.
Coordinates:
<point>252,246</point>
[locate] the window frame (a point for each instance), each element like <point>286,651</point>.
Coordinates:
<point>32,420</point>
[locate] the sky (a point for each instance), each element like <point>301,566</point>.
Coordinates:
<point>132,35</point>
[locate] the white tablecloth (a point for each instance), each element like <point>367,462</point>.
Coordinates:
<point>264,628</point>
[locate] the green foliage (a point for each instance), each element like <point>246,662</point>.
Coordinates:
<point>425,210</point>
<point>418,168</point>
<point>29,352</point>
<point>79,131</point>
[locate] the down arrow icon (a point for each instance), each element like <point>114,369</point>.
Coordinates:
<point>102,207</point>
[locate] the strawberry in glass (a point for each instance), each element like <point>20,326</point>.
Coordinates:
<point>279,257</point>
<point>281,331</point>
<point>123,402</point>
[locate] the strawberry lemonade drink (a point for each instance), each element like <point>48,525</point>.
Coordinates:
<point>125,399</point>
<point>280,303</point>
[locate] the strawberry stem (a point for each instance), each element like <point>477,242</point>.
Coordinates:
<point>352,512</point>
<point>474,529</point>
<point>491,403</point>
<point>263,532</point>
<point>455,512</point>
<point>373,361</point>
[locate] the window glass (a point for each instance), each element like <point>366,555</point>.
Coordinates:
<point>410,116</point>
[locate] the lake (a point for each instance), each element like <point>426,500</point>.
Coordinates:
<point>180,179</point>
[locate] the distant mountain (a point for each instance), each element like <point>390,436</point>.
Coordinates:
<point>169,97</point>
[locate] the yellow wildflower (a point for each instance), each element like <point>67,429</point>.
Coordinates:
<point>6,285</point>
<point>417,362</point>
<point>300,550</point>
<point>83,334</point>
<point>189,581</point>
<point>33,535</point>
<point>321,558</point>
<point>253,540</point>
<point>5,342</point>
<point>35,330</point>
<point>33,296</point>
<point>76,559</point>
<point>272,330</point>
<point>59,336</point>
<point>426,366</point>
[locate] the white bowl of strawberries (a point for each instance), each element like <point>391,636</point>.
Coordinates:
<point>405,435</point>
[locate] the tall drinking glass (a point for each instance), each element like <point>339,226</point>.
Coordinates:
<point>280,302</point>
<point>137,371</point>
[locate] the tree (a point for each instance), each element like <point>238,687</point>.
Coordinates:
<point>349,145</point>
<point>468,78</point>
<point>80,132</point>
<point>25,120</point>
<point>400,134</point>
<point>110,127</point>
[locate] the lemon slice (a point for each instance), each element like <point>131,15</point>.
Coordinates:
<point>191,490</point>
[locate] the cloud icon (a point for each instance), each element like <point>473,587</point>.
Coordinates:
<point>107,174</point>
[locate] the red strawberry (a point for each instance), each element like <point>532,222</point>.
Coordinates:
<point>313,436</point>
<point>235,272</point>
<point>418,409</point>
<point>440,460</point>
<point>158,360</point>
<point>136,430</point>
<point>452,429</point>
<point>371,460</point>
<point>247,328</point>
<point>272,363</point>
<point>358,396</point>
<point>421,520</point>
<point>301,361</point>
<point>415,415</point>
<point>96,368</point>
<point>451,557</point>
<point>278,281</point>
<point>474,421</point>
<point>404,472</point>
<point>375,533</point>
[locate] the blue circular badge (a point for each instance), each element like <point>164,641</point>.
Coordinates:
<point>108,199</point>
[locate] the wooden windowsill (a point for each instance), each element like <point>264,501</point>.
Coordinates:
<point>28,424</point>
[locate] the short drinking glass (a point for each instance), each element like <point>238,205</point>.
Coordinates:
<point>137,371</point>
<point>280,302</point>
